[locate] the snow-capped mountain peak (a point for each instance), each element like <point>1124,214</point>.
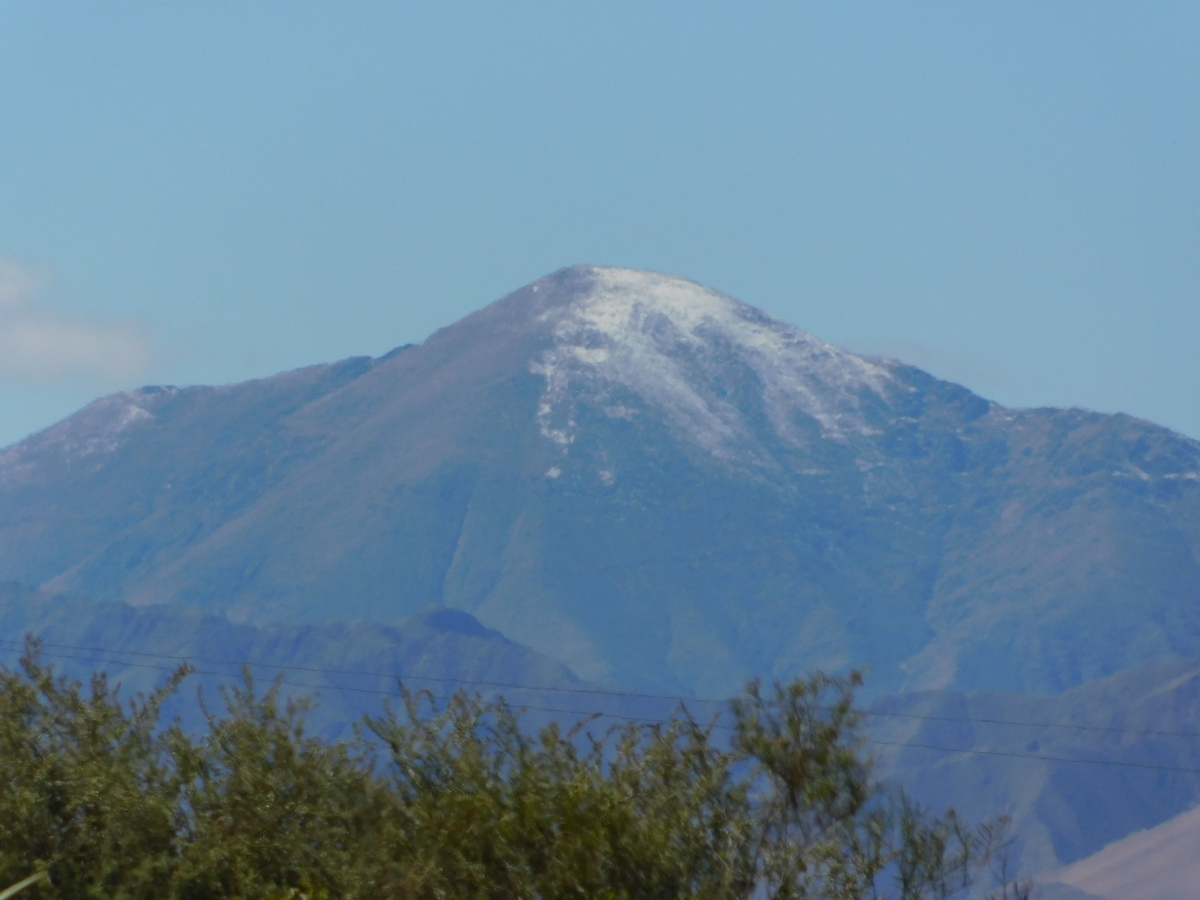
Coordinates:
<point>686,350</point>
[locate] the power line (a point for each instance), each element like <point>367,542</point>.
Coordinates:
<point>389,675</point>
<point>650,721</point>
<point>601,691</point>
<point>1067,759</point>
<point>1100,728</point>
<point>356,690</point>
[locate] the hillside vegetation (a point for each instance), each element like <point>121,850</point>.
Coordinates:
<point>455,802</point>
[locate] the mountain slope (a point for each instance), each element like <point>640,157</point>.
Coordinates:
<point>1160,863</point>
<point>651,482</point>
<point>1141,725</point>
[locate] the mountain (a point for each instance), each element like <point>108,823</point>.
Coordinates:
<point>348,668</point>
<point>653,483</point>
<point>1139,729</point>
<point>1160,863</point>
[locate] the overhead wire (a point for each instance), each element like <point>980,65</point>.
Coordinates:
<point>1014,722</point>
<point>1066,759</point>
<point>586,713</point>
<point>349,688</point>
<point>595,691</point>
<point>297,668</point>
<point>652,721</point>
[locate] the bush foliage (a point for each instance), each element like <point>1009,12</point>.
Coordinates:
<point>456,801</point>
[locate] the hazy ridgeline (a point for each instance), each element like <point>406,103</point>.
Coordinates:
<point>459,801</point>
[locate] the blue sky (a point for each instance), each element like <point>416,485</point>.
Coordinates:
<point>1005,194</point>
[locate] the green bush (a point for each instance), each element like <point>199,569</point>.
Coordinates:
<point>457,802</point>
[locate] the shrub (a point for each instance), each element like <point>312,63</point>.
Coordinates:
<point>777,800</point>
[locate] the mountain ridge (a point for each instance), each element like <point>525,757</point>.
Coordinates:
<point>349,668</point>
<point>651,482</point>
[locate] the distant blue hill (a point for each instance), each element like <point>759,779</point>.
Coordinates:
<point>349,668</point>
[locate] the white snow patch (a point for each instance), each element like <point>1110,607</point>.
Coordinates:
<point>564,434</point>
<point>670,341</point>
<point>1136,472</point>
<point>104,434</point>
<point>91,434</point>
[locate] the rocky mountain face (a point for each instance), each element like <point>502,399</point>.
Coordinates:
<point>650,482</point>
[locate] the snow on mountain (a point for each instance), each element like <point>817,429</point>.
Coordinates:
<point>648,480</point>
<point>94,431</point>
<point>673,344</point>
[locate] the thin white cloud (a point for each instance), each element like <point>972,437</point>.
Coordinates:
<point>17,284</point>
<point>41,346</point>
